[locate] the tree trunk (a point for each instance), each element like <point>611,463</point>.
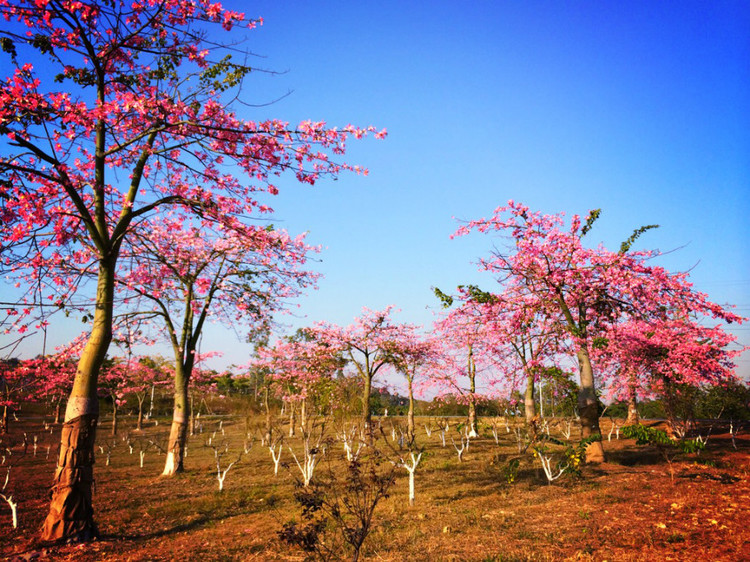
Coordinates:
<point>303,414</point>
<point>57,412</point>
<point>632,403</point>
<point>366,417</point>
<point>179,430</point>
<point>139,424</point>
<point>192,414</point>
<point>269,424</point>
<point>632,410</point>
<point>472,418</point>
<point>472,372</point>
<point>151,403</point>
<point>114,419</point>
<point>71,514</point>
<point>291,419</point>
<point>588,407</point>
<point>4,421</point>
<point>528,400</point>
<point>410,415</point>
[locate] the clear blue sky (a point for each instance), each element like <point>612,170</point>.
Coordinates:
<point>639,108</point>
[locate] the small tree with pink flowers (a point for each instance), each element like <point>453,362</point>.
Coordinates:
<point>366,345</point>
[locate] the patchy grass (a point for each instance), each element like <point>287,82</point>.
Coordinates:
<point>625,509</point>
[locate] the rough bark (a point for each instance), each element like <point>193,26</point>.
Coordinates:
<point>588,407</point>
<point>71,512</point>
<point>71,515</point>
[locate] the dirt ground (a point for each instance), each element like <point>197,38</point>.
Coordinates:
<point>629,508</point>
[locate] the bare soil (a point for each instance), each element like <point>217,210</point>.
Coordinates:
<point>634,507</point>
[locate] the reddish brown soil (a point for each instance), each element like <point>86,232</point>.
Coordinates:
<point>626,509</point>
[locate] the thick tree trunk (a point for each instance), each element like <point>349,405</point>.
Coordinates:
<point>179,430</point>
<point>588,407</point>
<point>528,401</point>
<point>71,514</point>
<point>632,410</point>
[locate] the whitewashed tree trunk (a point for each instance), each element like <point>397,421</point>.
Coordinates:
<point>222,474</point>
<point>8,498</point>
<point>276,456</point>
<point>411,469</point>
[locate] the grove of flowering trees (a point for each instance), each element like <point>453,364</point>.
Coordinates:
<point>127,119</point>
<point>132,193</point>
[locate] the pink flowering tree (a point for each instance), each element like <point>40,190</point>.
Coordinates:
<point>182,272</point>
<point>114,382</point>
<point>130,114</point>
<point>17,383</point>
<point>301,369</point>
<point>519,342</point>
<point>415,356</point>
<point>466,356</point>
<point>656,358</point>
<point>366,346</point>
<point>586,289</point>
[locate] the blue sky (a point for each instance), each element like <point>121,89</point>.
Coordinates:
<point>639,108</point>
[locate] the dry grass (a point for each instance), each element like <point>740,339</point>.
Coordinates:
<point>626,509</point>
